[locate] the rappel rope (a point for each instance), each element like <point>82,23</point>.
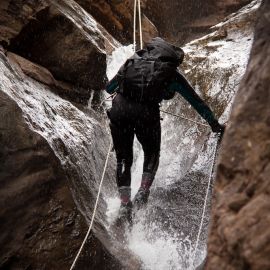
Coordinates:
<point>205,201</point>
<point>140,23</point>
<point>134,25</point>
<point>185,118</point>
<point>137,3</point>
<point>95,209</point>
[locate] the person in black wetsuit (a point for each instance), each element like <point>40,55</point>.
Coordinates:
<point>129,118</point>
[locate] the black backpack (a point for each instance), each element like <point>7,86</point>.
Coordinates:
<point>145,76</point>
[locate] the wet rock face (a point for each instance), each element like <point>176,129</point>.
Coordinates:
<point>44,76</point>
<point>50,149</point>
<point>60,37</point>
<point>56,43</point>
<point>117,17</point>
<point>15,15</point>
<point>41,227</point>
<point>182,21</point>
<point>239,237</point>
<point>179,21</point>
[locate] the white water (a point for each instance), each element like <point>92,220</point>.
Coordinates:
<point>164,234</point>
<point>117,59</point>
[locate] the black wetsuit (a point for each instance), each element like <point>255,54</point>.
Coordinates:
<point>128,119</point>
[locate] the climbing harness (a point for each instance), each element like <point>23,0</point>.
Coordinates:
<point>206,197</point>
<point>94,211</point>
<point>137,3</point>
<point>185,118</point>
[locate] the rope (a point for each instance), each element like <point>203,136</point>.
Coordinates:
<point>134,25</point>
<point>137,3</point>
<point>140,23</point>
<point>185,118</point>
<point>95,209</point>
<point>205,202</point>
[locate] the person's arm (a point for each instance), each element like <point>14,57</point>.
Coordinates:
<point>112,86</point>
<point>182,86</point>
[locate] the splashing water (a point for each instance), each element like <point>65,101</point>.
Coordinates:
<point>160,251</point>
<point>117,59</point>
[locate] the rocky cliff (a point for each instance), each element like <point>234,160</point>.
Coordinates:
<point>62,37</point>
<point>240,233</point>
<point>41,225</point>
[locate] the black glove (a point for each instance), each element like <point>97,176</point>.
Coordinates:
<point>217,127</point>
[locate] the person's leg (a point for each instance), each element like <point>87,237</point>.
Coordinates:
<point>149,135</point>
<point>123,135</point>
<point>151,147</point>
<point>122,131</point>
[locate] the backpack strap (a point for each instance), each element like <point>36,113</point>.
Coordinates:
<point>153,72</point>
<point>122,74</point>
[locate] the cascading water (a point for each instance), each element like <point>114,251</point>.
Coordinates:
<point>164,234</point>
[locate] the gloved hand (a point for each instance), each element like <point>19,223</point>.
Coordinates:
<point>217,127</point>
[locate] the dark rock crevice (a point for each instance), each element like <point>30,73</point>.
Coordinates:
<point>53,41</point>
<point>57,37</point>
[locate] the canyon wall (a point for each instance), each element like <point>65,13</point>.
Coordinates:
<point>240,234</point>
<point>54,46</point>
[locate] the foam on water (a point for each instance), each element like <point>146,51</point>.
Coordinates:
<point>159,251</point>
<point>113,204</point>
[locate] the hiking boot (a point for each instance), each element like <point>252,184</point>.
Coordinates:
<point>141,198</point>
<point>125,211</point>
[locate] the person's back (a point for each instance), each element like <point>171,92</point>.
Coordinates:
<point>146,79</point>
